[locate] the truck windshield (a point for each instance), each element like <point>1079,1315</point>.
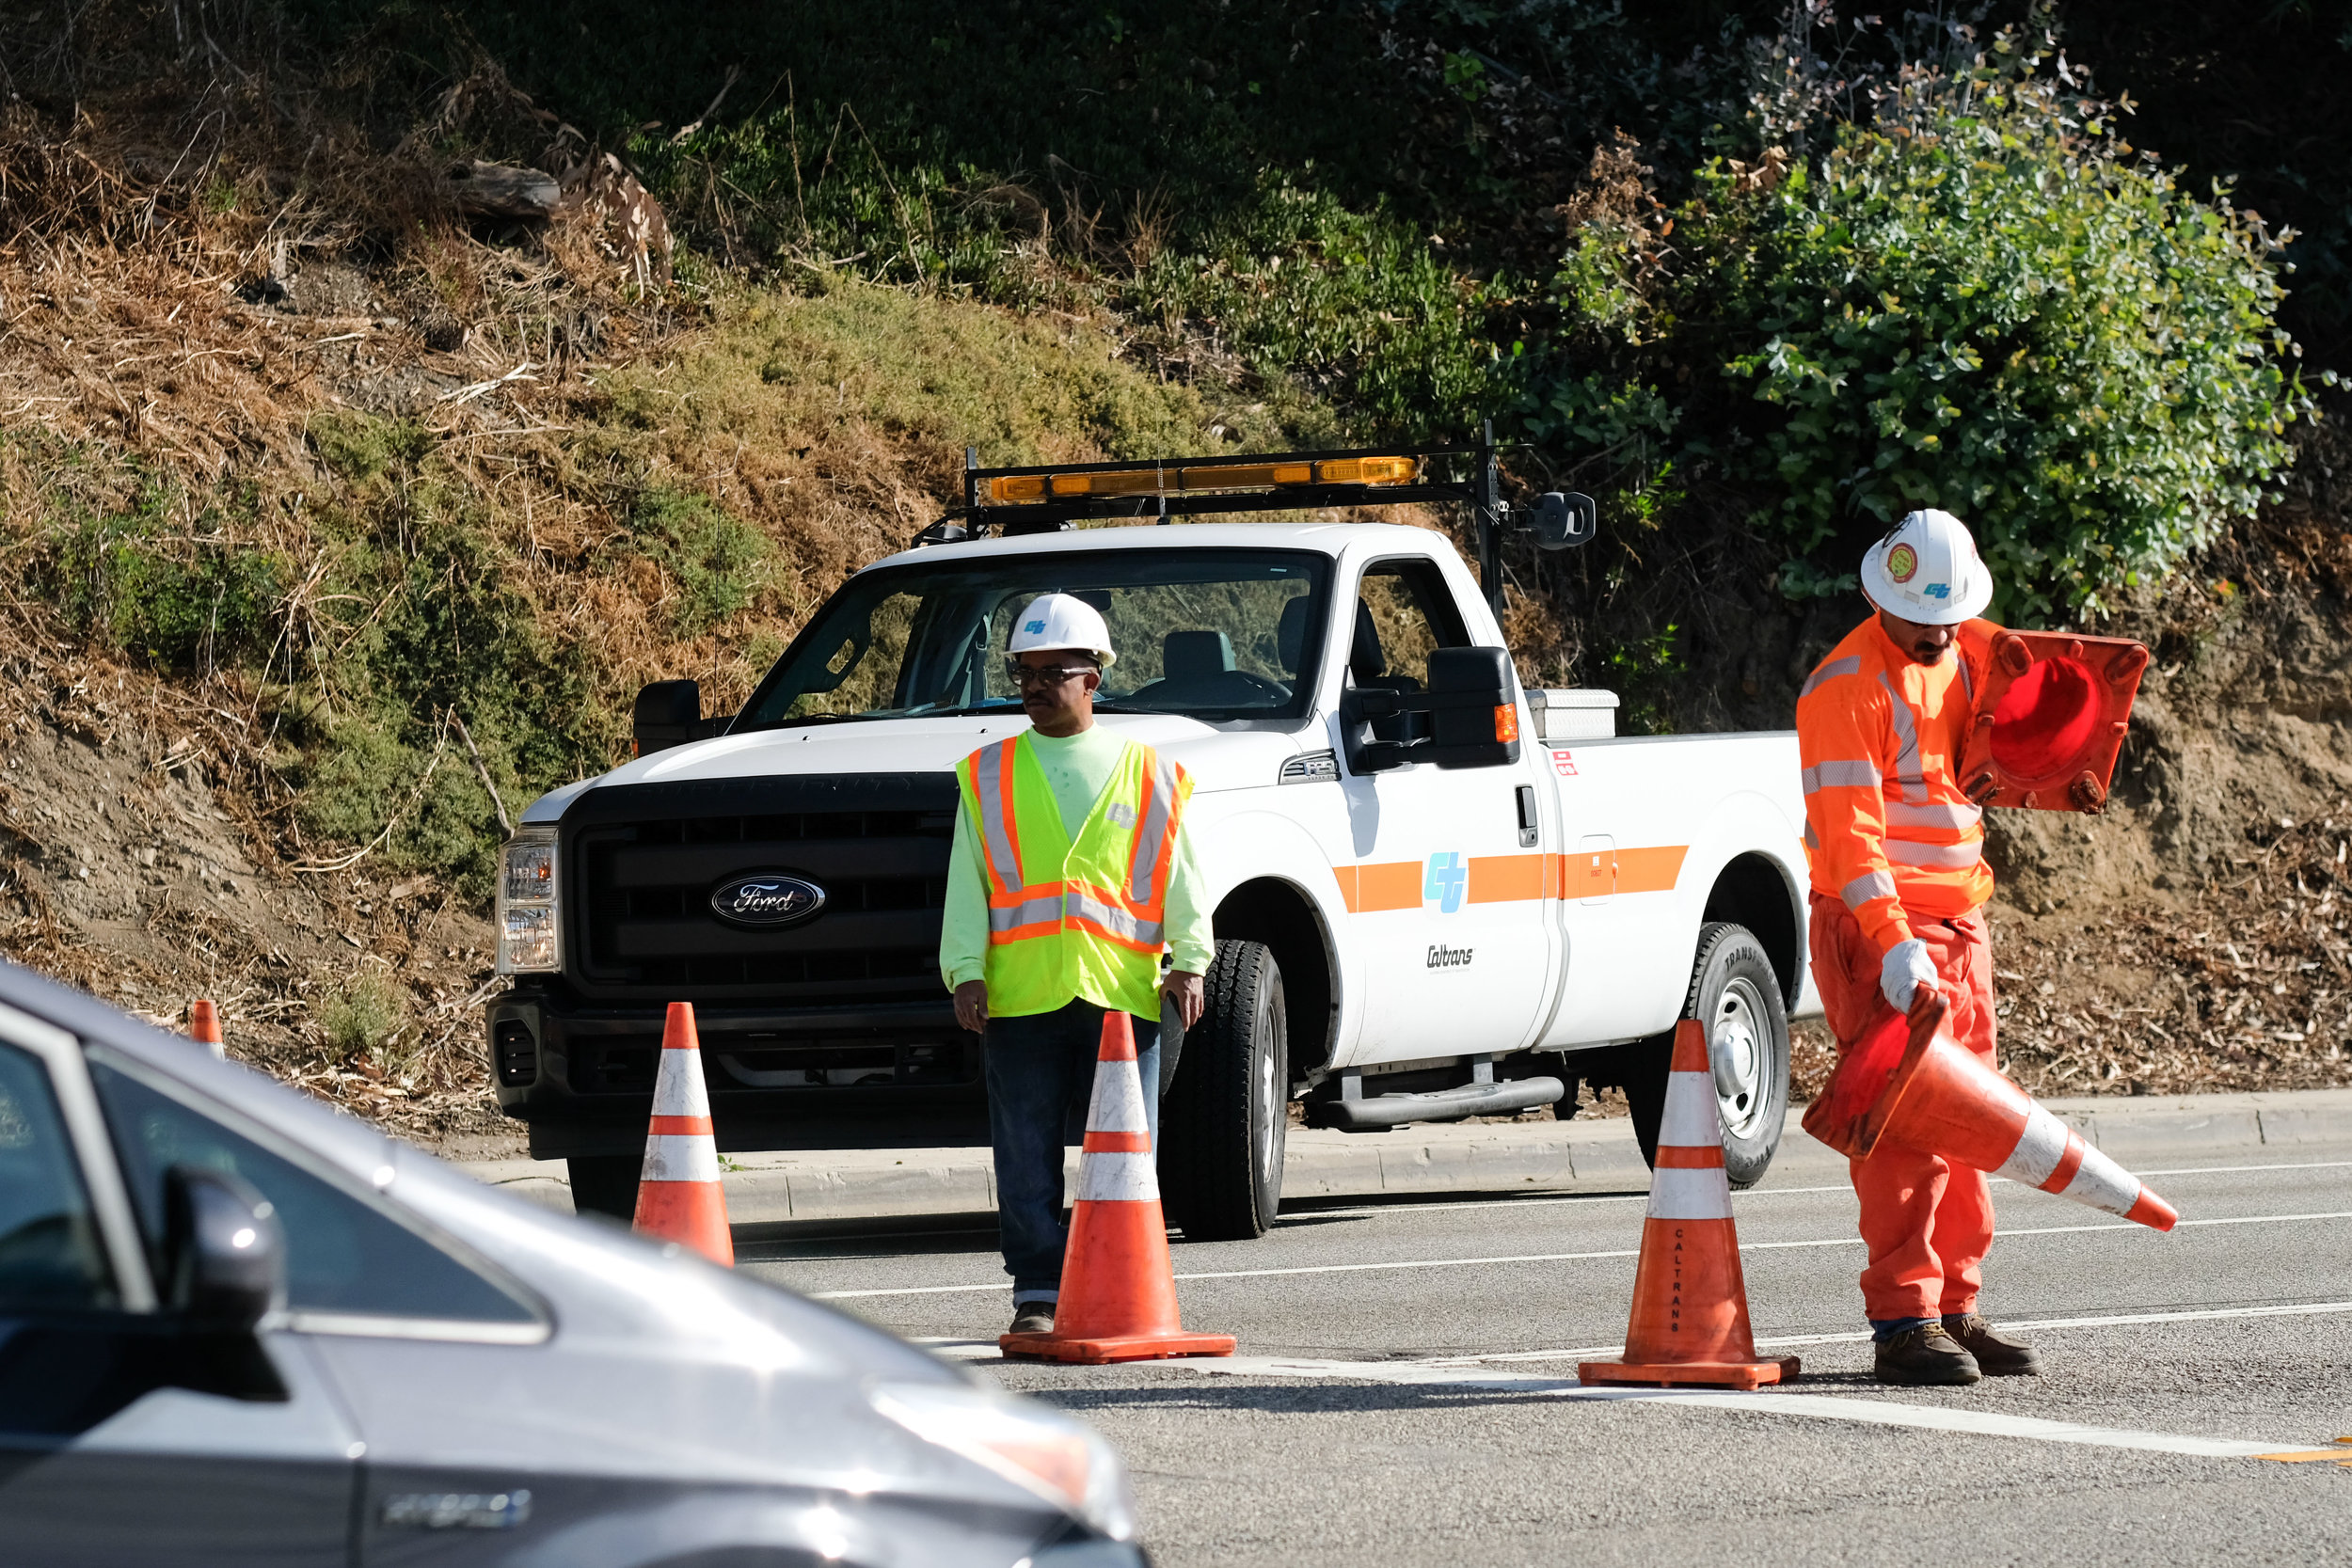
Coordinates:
<point>1217,635</point>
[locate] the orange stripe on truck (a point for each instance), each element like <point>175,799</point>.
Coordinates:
<point>1506,878</point>
<point>1517,878</point>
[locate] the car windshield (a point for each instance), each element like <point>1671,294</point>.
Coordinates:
<point>1213,634</point>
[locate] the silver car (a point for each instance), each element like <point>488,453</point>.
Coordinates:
<point>238,1328</point>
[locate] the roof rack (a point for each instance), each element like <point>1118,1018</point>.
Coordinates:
<point>1048,499</point>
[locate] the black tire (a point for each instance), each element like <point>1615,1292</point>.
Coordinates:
<point>1224,1116</point>
<point>1735,993</point>
<point>605,1184</point>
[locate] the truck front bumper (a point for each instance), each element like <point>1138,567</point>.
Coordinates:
<point>887,1075</point>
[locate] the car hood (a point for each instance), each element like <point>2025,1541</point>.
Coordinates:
<point>1217,759</point>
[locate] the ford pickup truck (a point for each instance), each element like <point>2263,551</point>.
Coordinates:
<point>1438,894</point>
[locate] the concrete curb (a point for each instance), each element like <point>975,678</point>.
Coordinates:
<point>1570,1156</point>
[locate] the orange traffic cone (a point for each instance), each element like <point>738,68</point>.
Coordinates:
<point>1690,1300</point>
<point>1943,1100</point>
<point>1118,1287</point>
<point>678,1195</point>
<point>204,1026</point>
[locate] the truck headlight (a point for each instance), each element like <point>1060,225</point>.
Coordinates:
<point>1063,1461</point>
<point>531,929</point>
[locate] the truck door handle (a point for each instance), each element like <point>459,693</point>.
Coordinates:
<point>1528,830</point>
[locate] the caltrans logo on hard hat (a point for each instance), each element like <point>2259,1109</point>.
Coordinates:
<point>1061,621</point>
<point>1927,570</point>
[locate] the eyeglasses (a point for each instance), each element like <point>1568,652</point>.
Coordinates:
<point>1032,674</point>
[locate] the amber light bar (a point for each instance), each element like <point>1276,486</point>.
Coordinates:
<point>1194,477</point>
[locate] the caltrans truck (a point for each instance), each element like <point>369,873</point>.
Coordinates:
<point>1438,894</point>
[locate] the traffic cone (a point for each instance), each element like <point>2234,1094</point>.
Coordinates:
<point>1941,1099</point>
<point>678,1195</point>
<point>1690,1321</point>
<point>204,1026</point>
<point>1118,1286</point>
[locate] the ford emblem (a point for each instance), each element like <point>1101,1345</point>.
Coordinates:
<point>767,898</point>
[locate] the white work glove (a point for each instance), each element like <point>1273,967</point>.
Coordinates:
<point>1907,968</point>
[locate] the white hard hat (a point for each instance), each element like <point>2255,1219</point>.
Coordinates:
<point>1927,570</point>
<point>1061,621</point>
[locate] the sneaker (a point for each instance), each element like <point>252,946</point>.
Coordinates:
<point>1925,1357</point>
<point>1997,1355</point>
<point>1032,1317</point>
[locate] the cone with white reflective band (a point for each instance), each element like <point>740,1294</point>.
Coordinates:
<point>1946,1099</point>
<point>678,1195</point>
<point>1689,1321</point>
<point>1118,1284</point>
<point>204,1025</point>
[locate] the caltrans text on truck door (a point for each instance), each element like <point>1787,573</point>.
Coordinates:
<point>1438,894</point>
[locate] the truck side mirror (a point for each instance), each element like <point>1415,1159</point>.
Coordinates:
<point>1472,702</point>
<point>1474,710</point>
<point>668,713</point>
<point>1563,520</point>
<point>224,1255</point>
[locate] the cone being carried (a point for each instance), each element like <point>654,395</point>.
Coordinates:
<point>1690,1319</point>
<point>1118,1286</point>
<point>1908,1081</point>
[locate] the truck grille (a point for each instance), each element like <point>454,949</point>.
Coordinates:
<point>646,859</point>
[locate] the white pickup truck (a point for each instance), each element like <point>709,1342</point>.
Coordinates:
<point>1438,894</point>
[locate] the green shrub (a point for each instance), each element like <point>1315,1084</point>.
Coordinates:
<point>134,580</point>
<point>1982,302</point>
<point>358,1016</point>
<point>713,560</point>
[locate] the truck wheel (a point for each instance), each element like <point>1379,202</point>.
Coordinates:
<point>1223,1118</point>
<point>605,1184</point>
<point>1735,993</point>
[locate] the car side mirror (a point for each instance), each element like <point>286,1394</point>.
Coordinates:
<point>667,714</point>
<point>1562,520</point>
<point>224,1255</point>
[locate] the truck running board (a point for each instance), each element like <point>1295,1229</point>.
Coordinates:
<point>1381,1112</point>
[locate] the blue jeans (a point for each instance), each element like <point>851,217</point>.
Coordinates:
<point>1040,1074</point>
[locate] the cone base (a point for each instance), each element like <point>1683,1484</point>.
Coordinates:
<point>1113,1346</point>
<point>1705,1375</point>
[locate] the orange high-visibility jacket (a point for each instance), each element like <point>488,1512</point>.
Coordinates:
<point>1887,830</point>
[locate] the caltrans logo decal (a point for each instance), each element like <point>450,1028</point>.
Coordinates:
<point>1903,563</point>
<point>1444,880</point>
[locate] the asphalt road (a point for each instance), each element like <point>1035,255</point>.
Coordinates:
<point>1405,1392</point>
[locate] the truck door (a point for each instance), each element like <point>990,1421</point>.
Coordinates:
<point>1444,870</point>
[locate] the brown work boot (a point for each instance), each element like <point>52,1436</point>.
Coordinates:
<point>1997,1353</point>
<point>1032,1317</point>
<point>1925,1357</point>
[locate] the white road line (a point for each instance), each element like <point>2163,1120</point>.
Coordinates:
<point>1829,1408</point>
<point>1785,1341</point>
<point>1536,1200</point>
<point>1569,1257</point>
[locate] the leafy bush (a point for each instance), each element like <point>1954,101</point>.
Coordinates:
<point>358,1016</point>
<point>1983,302</point>
<point>134,580</point>
<point>712,561</point>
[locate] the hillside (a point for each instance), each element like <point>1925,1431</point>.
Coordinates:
<point>346,516</point>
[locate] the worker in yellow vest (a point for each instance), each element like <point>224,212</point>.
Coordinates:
<point>1072,875</point>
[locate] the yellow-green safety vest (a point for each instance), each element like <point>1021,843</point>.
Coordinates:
<point>1074,919</point>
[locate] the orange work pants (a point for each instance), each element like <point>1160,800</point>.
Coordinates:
<point>1926,1221</point>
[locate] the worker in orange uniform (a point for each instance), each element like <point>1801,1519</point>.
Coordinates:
<point>1899,878</point>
